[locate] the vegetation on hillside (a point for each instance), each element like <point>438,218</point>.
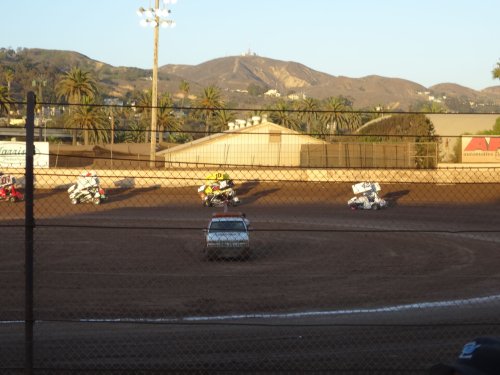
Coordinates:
<point>79,87</point>
<point>120,82</point>
<point>331,116</point>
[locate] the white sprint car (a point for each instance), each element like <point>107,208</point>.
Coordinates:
<point>367,197</point>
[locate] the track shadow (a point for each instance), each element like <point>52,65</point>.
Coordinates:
<point>250,198</point>
<point>45,193</point>
<point>393,197</point>
<point>41,194</point>
<point>117,195</point>
<point>246,187</point>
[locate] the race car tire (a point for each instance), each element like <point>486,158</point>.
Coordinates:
<point>96,201</point>
<point>375,207</point>
<point>12,199</point>
<point>74,201</point>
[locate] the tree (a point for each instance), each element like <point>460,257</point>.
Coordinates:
<point>5,100</point>
<point>93,120</point>
<point>207,105</point>
<point>144,105</point>
<point>9,77</point>
<point>256,90</point>
<point>496,71</point>
<point>282,114</point>
<point>184,87</point>
<point>76,86</point>
<point>135,132</point>
<point>432,107</point>
<point>222,118</point>
<point>310,116</point>
<point>494,131</point>
<point>167,121</point>
<point>339,116</point>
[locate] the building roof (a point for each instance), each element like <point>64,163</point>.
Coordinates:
<point>262,127</point>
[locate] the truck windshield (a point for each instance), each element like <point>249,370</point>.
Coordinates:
<point>227,226</point>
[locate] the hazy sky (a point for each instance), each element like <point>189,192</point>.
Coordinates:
<point>425,41</point>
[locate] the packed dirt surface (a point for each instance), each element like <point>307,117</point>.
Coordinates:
<point>138,256</point>
<point>140,252</point>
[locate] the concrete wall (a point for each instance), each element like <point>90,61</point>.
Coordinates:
<point>62,178</point>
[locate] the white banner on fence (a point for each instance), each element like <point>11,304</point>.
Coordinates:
<point>13,155</point>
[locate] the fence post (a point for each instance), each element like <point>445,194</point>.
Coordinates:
<point>28,231</point>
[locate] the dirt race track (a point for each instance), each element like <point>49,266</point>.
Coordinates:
<point>321,288</point>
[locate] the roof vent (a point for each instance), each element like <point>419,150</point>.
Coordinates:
<point>240,124</point>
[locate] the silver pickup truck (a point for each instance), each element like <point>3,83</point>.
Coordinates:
<point>227,236</point>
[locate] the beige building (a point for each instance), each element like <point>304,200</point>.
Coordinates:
<point>250,143</point>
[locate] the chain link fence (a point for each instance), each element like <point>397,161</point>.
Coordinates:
<point>124,286</point>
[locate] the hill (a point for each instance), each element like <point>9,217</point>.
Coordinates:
<point>238,72</point>
<point>236,75</point>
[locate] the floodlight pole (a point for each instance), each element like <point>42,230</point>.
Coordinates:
<point>29,225</point>
<point>154,89</point>
<point>155,17</point>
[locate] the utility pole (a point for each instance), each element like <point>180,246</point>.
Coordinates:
<point>112,118</point>
<point>155,17</point>
<point>154,90</point>
<point>29,225</point>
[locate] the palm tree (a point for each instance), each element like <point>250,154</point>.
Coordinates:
<point>9,77</point>
<point>339,116</point>
<point>310,116</point>
<point>166,116</point>
<point>283,115</point>
<point>94,122</point>
<point>135,133</point>
<point>496,71</point>
<point>207,105</point>
<point>75,86</point>
<point>184,87</point>
<point>256,112</point>
<point>5,100</point>
<point>144,105</point>
<point>222,118</point>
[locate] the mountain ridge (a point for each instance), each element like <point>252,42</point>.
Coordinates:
<point>235,74</point>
